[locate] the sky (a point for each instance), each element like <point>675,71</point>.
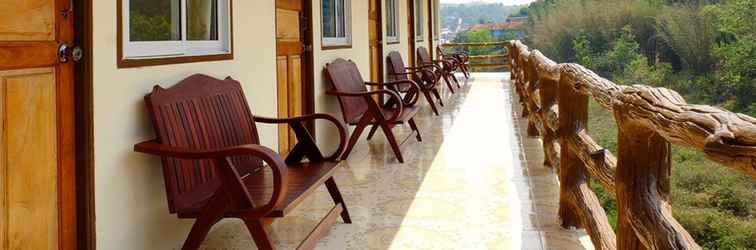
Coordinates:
<point>507,2</point>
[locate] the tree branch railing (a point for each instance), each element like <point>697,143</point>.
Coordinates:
<point>554,98</point>
<point>496,60</point>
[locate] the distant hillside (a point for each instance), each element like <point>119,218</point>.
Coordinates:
<point>473,13</point>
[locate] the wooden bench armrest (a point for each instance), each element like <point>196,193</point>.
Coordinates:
<point>231,179</point>
<point>295,123</point>
<point>367,95</point>
<point>393,85</point>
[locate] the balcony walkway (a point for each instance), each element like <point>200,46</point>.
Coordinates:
<point>468,185</point>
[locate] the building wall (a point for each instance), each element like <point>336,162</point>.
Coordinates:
<point>131,208</point>
<point>359,53</point>
<point>130,202</point>
<point>403,46</point>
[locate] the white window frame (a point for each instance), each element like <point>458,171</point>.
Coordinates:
<point>346,40</point>
<point>392,22</point>
<point>419,20</point>
<point>182,47</point>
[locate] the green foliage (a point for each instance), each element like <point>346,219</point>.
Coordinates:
<point>472,13</point>
<point>475,36</point>
<point>690,32</point>
<point>737,51</point>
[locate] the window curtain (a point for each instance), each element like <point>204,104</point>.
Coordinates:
<point>202,19</point>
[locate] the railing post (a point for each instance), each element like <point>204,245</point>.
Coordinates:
<point>643,188</point>
<point>531,78</point>
<point>548,93</point>
<point>578,205</point>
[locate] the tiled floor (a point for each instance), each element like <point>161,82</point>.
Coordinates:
<point>468,185</point>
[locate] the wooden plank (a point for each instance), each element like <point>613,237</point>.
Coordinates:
<point>295,5</point>
<point>17,55</point>
<point>295,92</point>
<point>287,26</point>
<point>30,162</point>
<point>490,65</point>
<point>282,78</point>
<point>28,20</point>
<point>473,45</point>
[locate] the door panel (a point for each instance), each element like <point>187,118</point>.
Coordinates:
<point>290,68</point>
<point>37,171</point>
<point>29,159</point>
<point>29,20</point>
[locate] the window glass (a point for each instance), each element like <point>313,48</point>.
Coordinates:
<point>391,19</point>
<point>202,19</point>
<point>154,20</point>
<point>335,23</point>
<point>419,20</point>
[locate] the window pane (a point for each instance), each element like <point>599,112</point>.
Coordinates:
<point>329,29</point>
<point>342,19</point>
<point>154,20</point>
<point>202,19</point>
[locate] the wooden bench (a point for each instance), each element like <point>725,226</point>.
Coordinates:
<point>428,77</point>
<point>360,109</point>
<point>215,167</point>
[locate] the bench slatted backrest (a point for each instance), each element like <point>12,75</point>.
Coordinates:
<point>397,66</point>
<point>423,56</point>
<point>345,77</point>
<point>201,113</point>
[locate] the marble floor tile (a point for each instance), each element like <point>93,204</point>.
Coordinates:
<point>474,182</point>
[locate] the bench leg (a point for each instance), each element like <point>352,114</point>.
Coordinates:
<point>210,215</point>
<point>353,139</point>
<point>392,141</point>
<point>448,83</point>
<point>413,125</point>
<point>438,96</point>
<point>430,101</point>
<point>336,195</point>
<point>465,70</point>
<point>257,228</point>
<point>372,131</point>
<point>456,81</point>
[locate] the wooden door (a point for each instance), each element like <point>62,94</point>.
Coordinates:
<point>37,147</point>
<point>375,35</point>
<point>291,52</point>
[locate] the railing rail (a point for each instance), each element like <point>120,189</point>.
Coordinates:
<point>555,101</point>
<point>496,60</point>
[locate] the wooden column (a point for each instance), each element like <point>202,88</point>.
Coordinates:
<point>643,188</point>
<point>578,205</point>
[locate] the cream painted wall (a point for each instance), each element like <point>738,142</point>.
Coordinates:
<point>359,53</point>
<point>131,208</point>
<point>403,46</point>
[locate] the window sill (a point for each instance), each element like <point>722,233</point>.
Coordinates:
<point>335,46</point>
<point>144,62</point>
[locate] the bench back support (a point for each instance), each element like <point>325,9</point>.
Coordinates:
<point>200,113</point>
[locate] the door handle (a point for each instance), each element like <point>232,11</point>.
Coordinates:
<point>67,52</point>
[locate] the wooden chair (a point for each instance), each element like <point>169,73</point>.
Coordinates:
<point>461,61</point>
<point>428,77</point>
<point>360,109</point>
<point>215,167</point>
<point>446,67</point>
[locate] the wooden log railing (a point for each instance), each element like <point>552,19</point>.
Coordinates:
<point>554,98</point>
<point>496,61</point>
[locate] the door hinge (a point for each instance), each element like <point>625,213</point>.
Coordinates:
<point>68,11</point>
